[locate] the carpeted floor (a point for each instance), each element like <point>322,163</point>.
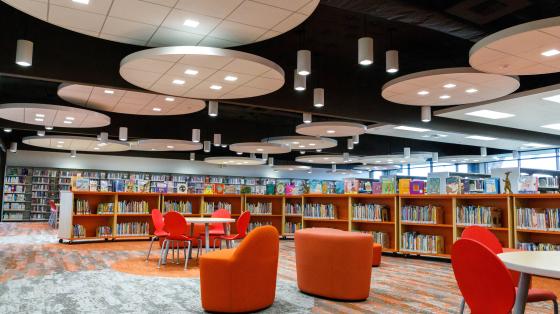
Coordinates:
<point>39,275</point>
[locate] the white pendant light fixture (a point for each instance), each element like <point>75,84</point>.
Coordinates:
<point>224,145</point>
<point>435,157</point>
<point>13,147</point>
<point>350,143</point>
<point>217,139</point>
<point>252,156</point>
<point>318,150</point>
<point>24,53</point>
<point>41,133</point>
<point>213,108</point>
<point>73,153</point>
<point>426,113</point>
<point>307,117</point>
<point>271,161</point>
<point>264,156</point>
<point>192,156</point>
<point>406,152</point>
<point>515,154</point>
<point>333,167</point>
<point>196,135</point>
<point>392,61</point>
<point>123,134</point>
<point>49,127</point>
<point>104,137</point>
<point>356,139</point>
<point>239,153</point>
<point>483,152</point>
<point>206,146</point>
<point>345,157</point>
<point>302,152</point>
<point>299,81</point>
<point>365,50</point>
<point>7,130</point>
<point>303,62</point>
<point>318,97</point>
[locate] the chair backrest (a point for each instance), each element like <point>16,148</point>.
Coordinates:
<point>52,204</point>
<point>157,219</point>
<point>260,246</point>
<point>220,213</point>
<point>483,236</point>
<point>175,224</point>
<point>482,277</point>
<point>242,224</point>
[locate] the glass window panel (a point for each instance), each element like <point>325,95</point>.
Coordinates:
<point>548,163</point>
<point>420,172</point>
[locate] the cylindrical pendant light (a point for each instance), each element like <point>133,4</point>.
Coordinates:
<point>299,81</point>
<point>392,61</point>
<point>333,167</point>
<point>426,113</point>
<point>206,146</point>
<point>318,150</point>
<point>307,117</point>
<point>252,155</point>
<point>271,161</point>
<point>104,137</point>
<point>224,145</point>
<point>264,156</point>
<point>515,154</point>
<point>41,133</point>
<point>365,50</point>
<point>318,97</point>
<point>73,153</point>
<point>239,153</point>
<point>7,130</point>
<point>123,134</point>
<point>192,156</point>
<point>24,53</point>
<point>13,147</point>
<point>302,152</point>
<point>196,135</point>
<point>345,157</point>
<point>217,139</point>
<point>483,152</point>
<point>435,157</point>
<point>49,127</point>
<point>406,152</point>
<point>213,108</point>
<point>303,62</point>
<point>350,143</point>
<point>356,139</point>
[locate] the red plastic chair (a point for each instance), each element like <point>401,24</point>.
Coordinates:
<point>176,226</point>
<point>160,233</point>
<point>53,217</point>
<point>482,277</point>
<point>242,224</point>
<point>218,229</point>
<point>487,238</point>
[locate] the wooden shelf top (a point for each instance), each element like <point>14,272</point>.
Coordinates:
<point>133,214</point>
<point>263,196</point>
<point>426,225</point>
<point>366,195</point>
<point>221,195</point>
<point>325,219</point>
<point>78,193</point>
<point>93,215</point>
<point>181,195</point>
<point>265,215</point>
<point>489,228</point>
<point>447,197</point>
<point>538,231</point>
<point>426,254</point>
<point>374,222</point>
<point>539,196</point>
<point>326,195</point>
<point>485,196</point>
<point>138,194</point>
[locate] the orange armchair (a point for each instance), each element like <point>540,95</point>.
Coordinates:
<point>241,279</point>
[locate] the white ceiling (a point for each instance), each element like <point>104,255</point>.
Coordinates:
<point>123,101</point>
<point>447,137</point>
<point>164,145</point>
<point>156,23</point>
<point>234,161</point>
<point>327,159</point>
<point>259,148</point>
<point>457,85</point>
<point>529,108</point>
<point>303,142</point>
<point>79,143</point>
<point>53,115</point>
<point>156,69</point>
<point>518,50</point>
<point>467,159</point>
<point>331,129</point>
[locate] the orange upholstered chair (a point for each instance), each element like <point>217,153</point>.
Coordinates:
<point>334,264</point>
<point>241,279</point>
<point>377,249</point>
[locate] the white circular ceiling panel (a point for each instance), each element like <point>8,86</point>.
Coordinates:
<point>259,148</point>
<point>164,145</point>
<point>414,159</point>
<point>53,115</point>
<point>234,161</point>
<point>331,129</point>
<point>327,159</point>
<point>129,102</point>
<point>291,168</point>
<point>202,72</point>
<point>449,86</point>
<point>217,23</point>
<point>525,49</point>
<point>303,142</point>
<point>79,143</point>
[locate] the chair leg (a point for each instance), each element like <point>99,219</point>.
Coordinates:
<point>555,304</point>
<point>163,249</point>
<point>186,257</point>
<point>462,307</point>
<point>199,249</point>
<point>150,249</point>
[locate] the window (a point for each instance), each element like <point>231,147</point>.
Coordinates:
<point>420,171</point>
<point>463,168</point>
<point>540,159</point>
<point>444,167</point>
<point>501,164</point>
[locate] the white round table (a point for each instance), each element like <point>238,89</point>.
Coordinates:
<point>546,264</point>
<point>207,222</point>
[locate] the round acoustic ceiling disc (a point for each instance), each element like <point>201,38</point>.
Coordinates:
<point>331,129</point>
<point>525,49</point>
<point>202,72</point>
<point>163,145</point>
<point>234,161</point>
<point>291,168</point>
<point>78,143</point>
<point>414,159</point>
<point>302,142</point>
<point>129,102</point>
<point>449,86</point>
<point>259,148</point>
<point>53,115</point>
<point>328,159</point>
<point>217,23</point>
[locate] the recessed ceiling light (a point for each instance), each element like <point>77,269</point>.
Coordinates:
<point>554,126</point>
<point>471,90</point>
<point>169,99</point>
<point>481,138</point>
<point>295,143</point>
<point>378,161</point>
<point>108,91</point>
<point>60,142</point>
<point>156,109</point>
<point>312,144</point>
<point>423,93</point>
<point>59,146</point>
<point>490,114</point>
<point>259,149</point>
<point>178,82</point>
<point>449,85</point>
<point>191,23</point>
<point>39,119</point>
<point>153,149</point>
<point>215,87</point>
<point>301,146</point>
<point>331,131</point>
<point>7,130</point>
<point>326,158</point>
<point>96,148</point>
<point>550,53</point>
<point>191,72</point>
<point>39,115</point>
<point>555,98</point>
<point>81,1</point>
<point>49,127</point>
<point>67,122</point>
<point>410,128</point>
<point>230,78</point>
<point>70,118</point>
<point>476,160</point>
<point>536,145</point>
<point>310,160</point>
<point>170,146</point>
<point>444,97</point>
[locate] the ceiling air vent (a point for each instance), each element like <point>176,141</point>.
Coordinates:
<point>485,11</point>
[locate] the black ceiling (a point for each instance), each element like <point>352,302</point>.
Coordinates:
<point>331,33</point>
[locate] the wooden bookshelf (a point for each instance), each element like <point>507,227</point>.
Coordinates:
<point>275,218</point>
<point>195,200</point>
<point>389,201</point>
<point>342,208</point>
<point>291,218</point>
<point>541,201</point>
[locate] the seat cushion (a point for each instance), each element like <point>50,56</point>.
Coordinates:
<point>159,233</point>
<point>538,295</point>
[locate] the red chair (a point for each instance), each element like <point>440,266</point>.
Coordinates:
<point>242,224</point>
<point>159,232</point>
<point>178,230</point>
<point>218,229</point>
<point>53,217</point>
<point>487,238</point>
<point>482,277</point>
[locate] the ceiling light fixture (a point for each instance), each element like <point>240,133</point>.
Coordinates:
<point>471,90</point>
<point>230,78</point>
<point>550,53</point>
<point>192,156</point>
<point>191,23</point>
<point>170,99</point>
<point>426,113</point>
<point>239,153</point>
<point>536,145</point>
<point>170,146</point>
<point>178,82</point>
<point>108,91</point>
<point>24,53</point>
<point>224,145</point>
<point>156,109</point>
<point>13,147</point>
<point>70,118</point>
<point>213,108</point>
<point>449,85</point>
<point>410,128</point>
<point>483,151</point>
<point>444,97</point>
<point>39,119</point>
<point>39,115</point>
<point>196,135</point>
<point>355,139</point>
<point>423,93</point>
<point>365,50</point>
<point>554,126</point>
<point>73,153</point>
<point>481,138</point>
<point>331,131</point>
<point>191,72</point>
<point>207,146</point>
<point>299,81</point>
<point>41,133</point>
<point>303,62</point>
<point>215,87</point>
<point>307,117</point>
<point>81,1</point>
<point>490,114</point>
<point>318,97</point>
<point>7,130</point>
<point>392,61</point>
<point>123,134</point>
<point>65,121</point>
<point>350,143</point>
<point>217,139</point>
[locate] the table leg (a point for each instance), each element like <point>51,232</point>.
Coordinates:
<point>192,235</point>
<point>207,236</point>
<point>522,291</point>
<point>226,230</point>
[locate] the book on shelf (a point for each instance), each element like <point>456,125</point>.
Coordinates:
<point>326,211</point>
<point>293,209</point>
<point>180,207</point>
<point>528,184</point>
<point>381,238</point>
<point>338,187</point>
<point>491,185</point>
<point>417,187</point>
<point>544,219</point>
<point>82,207</point>
<point>133,228</point>
<point>422,243</point>
<point>283,188</point>
<point>211,207</point>
<point>388,185</point>
<point>315,187</point>
<point>404,186</point>
<point>259,208</point>
<point>105,208</point>
<point>182,188</point>
<point>429,214</point>
<point>104,185</point>
<point>291,227</point>
<point>453,185</point>
<point>93,185</point>
<point>79,231</point>
<point>209,189</point>
<point>351,186</point>
<point>473,215</point>
<point>532,246</point>
<point>376,187</point>
<point>133,207</point>
<point>81,184</point>
<point>103,231</point>
<point>255,224</point>
<point>433,185</point>
<point>547,182</point>
<point>118,185</point>
<point>370,212</point>
<point>218,188</point>
<point>270,188</point>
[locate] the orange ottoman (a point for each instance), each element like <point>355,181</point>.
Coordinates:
<point>376,255</point>
<point>334,264</point>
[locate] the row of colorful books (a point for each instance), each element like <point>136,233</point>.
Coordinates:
<point>12,216</point>
<point>103,231</point>
<point>82,207</point>
<point>459,185</point>
<point>479,215</point>
<point>422,243</point>
<point>256,224</point>
<point>16,206</point>
<point>546,219</point>
<point>105,208</point>
<point>14,198</point>
<point>181,207</point>
<point>327,211</point>
<point>133,207</point>
<point>530,246</point>
<point>293,209</point>
<point>210,207</point>
<point>14,188</point>
<point>381,238</point>
<point>133,228</point>
<point>370,212</point>
<point>292,227</point>
<point>259,208</point>
<point>79,231</point>
<point>422,214</point>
